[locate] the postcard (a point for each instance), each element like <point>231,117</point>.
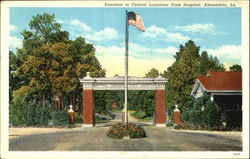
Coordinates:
<point>125,79</point>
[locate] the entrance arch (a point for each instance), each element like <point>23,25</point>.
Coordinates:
<point>117,83</point>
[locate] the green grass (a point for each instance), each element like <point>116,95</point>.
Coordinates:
<point>148,118</point>
<point>97,120</point>
<point>116,110</point>
<point>78,118</point>
<point>131,111</point>
<point>139,114</point>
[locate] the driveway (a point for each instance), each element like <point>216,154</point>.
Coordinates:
<point>158,139</point>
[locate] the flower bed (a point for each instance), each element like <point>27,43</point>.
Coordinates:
<point>121,130</point>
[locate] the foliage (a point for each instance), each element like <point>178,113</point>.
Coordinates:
<point>139,114</point>
<point>211,114</point>
<point>148,118</point>
<point>208,63</point>
<point>37,115</point>
<point>120,130</point>
<point>17,112</point>
<point>24,113</point>
<point>233,118</point>
<point>49,64</point>
<point>187,126</point>
<point>78,118</point>
<point>59,118</point>
<point>235,68</point>
<point>15,82</point>
<point>203,112</point>
<point>192,116</point>
<point>142,100</point>
<point>153,73</point>
<point>181,75</point>
<point>105,99</point>
<point>137,100</point>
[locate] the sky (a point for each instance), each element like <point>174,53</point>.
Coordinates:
<point>216,30</point>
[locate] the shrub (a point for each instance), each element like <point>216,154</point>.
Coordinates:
<point>37,115</point>
<point>140,114</point>
<point>211,114</point>
<point>24,113</point>
<point>59,118</point>
<point>192,116</point>
<point>233,118</point>
<point>78,118</point>
<point>17,112</point>
<point>119,130</point>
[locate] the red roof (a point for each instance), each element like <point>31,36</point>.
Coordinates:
<point>222,80</point>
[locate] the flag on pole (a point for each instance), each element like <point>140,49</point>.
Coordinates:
<point>136,20</point>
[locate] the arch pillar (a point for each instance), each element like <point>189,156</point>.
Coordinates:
<point>160,113</point>
<point>88,106</point>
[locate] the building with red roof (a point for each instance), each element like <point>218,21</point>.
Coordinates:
<point>224,88</point>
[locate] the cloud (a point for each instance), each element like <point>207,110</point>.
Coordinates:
<point>14,43</point>
<point>77,23</point>
<point>90,34</point>
<point>13,27</point>
<point>159,33</point>
<point>112,59</point>
<point>105,34</point>
<point>227,53</point>
<point>169,50</point>
<point>197,28</point>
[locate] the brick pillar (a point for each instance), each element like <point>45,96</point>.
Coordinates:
<point>160,114</point>
<point>88,108</point>
<point>177,117</point>
<point>71,115</point>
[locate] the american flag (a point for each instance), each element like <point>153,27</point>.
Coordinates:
<point>136,20</point>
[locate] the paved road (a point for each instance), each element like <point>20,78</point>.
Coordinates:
<point>158,139</point>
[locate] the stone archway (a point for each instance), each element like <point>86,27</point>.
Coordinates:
<point>117,83</point>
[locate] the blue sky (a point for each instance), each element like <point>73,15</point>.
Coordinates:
<point>216,30</point>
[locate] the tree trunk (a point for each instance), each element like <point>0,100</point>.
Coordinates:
<point>43,103</point>
<point>62,104</point>
<point>59,103</point>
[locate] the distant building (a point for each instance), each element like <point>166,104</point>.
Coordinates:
<point>224,88</point>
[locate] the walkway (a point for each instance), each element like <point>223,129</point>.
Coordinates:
<point>158,139</point>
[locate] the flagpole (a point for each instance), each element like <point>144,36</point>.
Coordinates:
<point>126,67</point>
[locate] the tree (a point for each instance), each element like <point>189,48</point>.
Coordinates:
<point>235,68</point>
<point>13,80</point>
<point>50,65</point>
<point>209,64</point>
<point>153,73</point>
<point>181,75</point>
<point>35,57</point>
